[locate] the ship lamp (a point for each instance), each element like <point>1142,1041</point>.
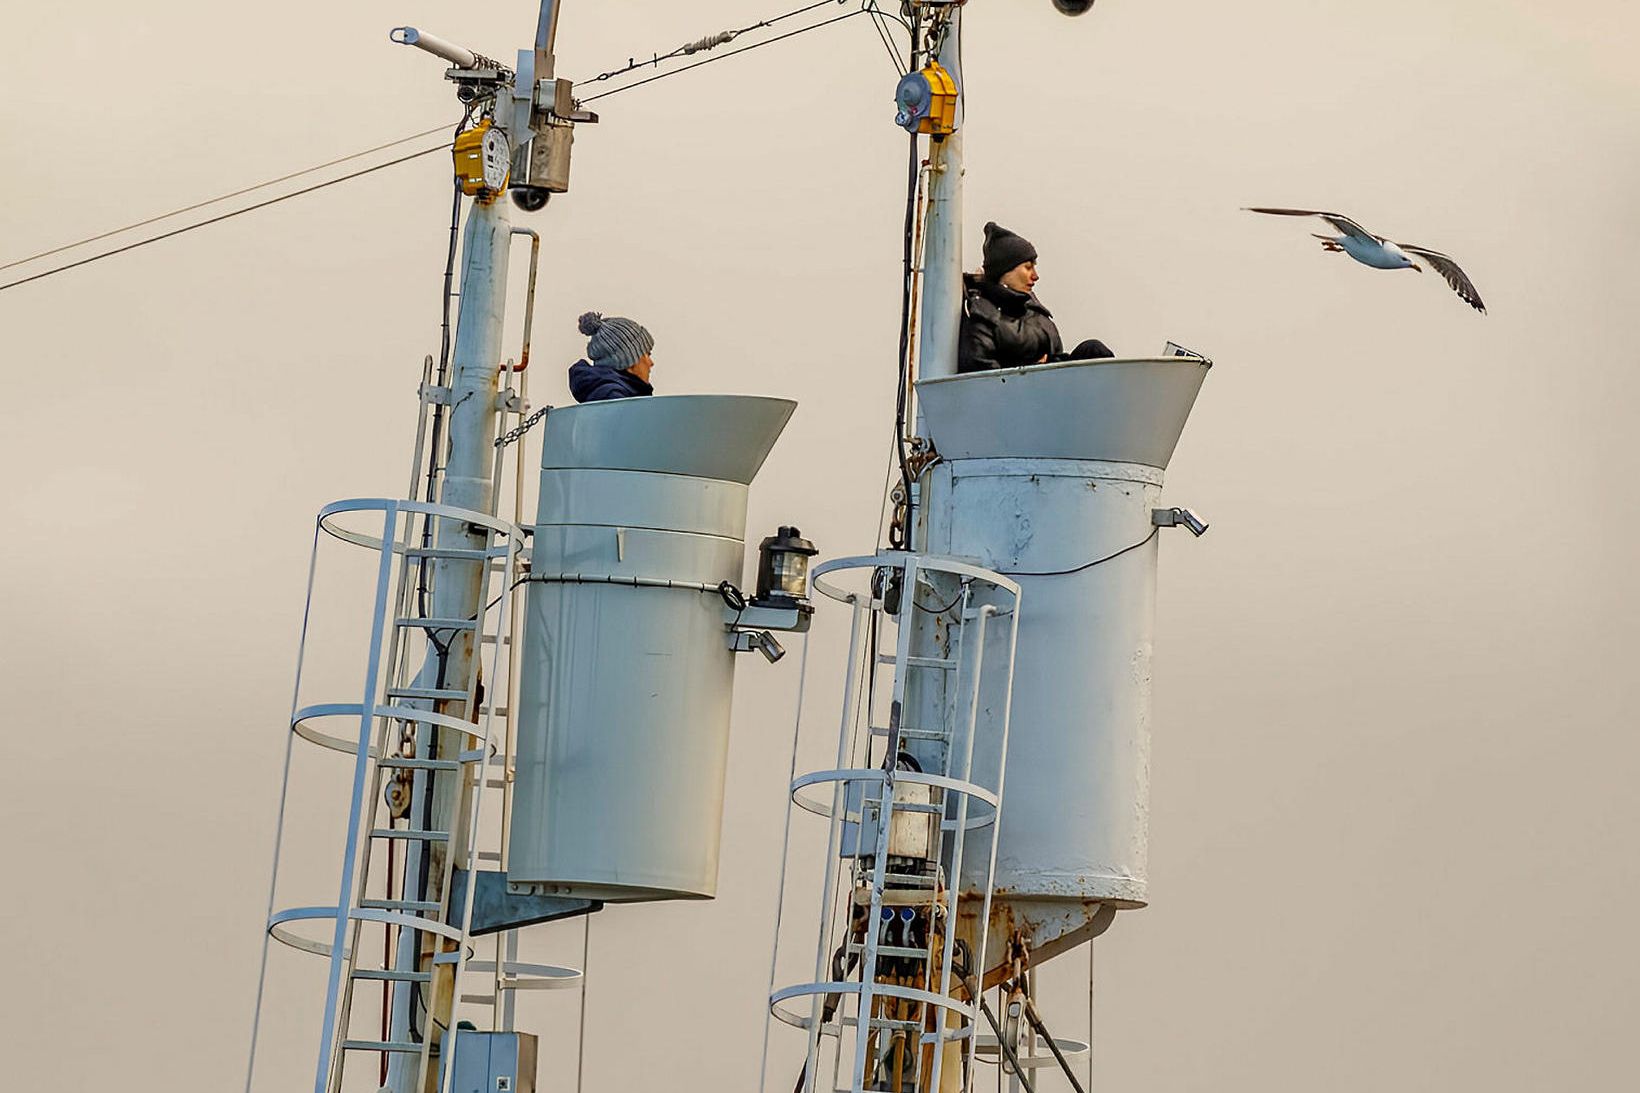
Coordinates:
<point>783,568</point>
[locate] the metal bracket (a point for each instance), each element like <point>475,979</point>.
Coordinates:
<point>755,617</point>
<point>509,402</point>
<point>496,907</point>
<point>434,395</point>
<point>1177,517</point>
<point>756,641</point>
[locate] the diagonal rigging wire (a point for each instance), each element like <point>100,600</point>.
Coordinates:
<point>709,42</point>
<point>224,197</point>
<point>879,19</point>
<point>867,7</point>
<point>226,215</point>
<point>731,53</point>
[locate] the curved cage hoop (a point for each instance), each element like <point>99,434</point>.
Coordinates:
<point>332,525</point>
<point>876,776</point>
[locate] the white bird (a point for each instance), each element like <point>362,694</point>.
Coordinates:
<point>1379,253</point>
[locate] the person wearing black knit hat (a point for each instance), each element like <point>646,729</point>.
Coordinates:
<point>1004,325</point>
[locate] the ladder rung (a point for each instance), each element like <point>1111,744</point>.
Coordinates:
<point>489,855</point>
<point>471,554</point>
<point>413,834</point>
<point>912,806</point>
<point>382,1045</point>
<point>438,624</point>
<point>393,975</point>
<point>420,764</point>
<point>400,904</point>
<point>911,734</point>
<point>479,999</point>
<point>489,639</point>
<point>426,692</point>
<point>498,711</point>
<point>946,663</point>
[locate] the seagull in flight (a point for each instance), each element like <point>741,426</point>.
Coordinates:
<point>1379,253</point>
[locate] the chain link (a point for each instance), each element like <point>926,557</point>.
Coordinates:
<point>523,427</point>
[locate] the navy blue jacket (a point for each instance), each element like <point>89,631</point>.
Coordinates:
<point>593,383</point>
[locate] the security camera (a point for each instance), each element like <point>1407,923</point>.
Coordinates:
<point>1177,517</point>
<point>532,199</point>
<point>1073,7</point>
<point>1193,522</point>
<point>766,644</point>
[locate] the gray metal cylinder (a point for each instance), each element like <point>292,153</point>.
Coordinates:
<point>623,719</point>
<point>1045,470</point>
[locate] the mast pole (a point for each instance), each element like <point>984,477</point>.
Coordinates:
<point>941,320</point>
<point>459,586</point>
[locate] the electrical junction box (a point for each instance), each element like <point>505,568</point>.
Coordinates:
<point>493,1062</point>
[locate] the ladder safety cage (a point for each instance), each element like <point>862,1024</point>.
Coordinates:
<point>898,936</point>
<point>406,707</point>
<point>416,723</point>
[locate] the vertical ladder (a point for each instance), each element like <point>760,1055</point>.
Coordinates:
<point>899,956</point>
<point>483,762</point>
<point>406,706</point>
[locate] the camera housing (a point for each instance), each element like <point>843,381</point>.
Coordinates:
<point>532,199</point>
<point>1073,7</point>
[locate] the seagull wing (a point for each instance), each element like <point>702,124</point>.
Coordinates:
<point>1337,220</point>
<point>1455,276</point>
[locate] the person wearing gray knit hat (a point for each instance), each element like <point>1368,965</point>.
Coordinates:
<point>1004,325</point>
<point>618,360</point>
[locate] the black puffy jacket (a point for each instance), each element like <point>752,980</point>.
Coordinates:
<point>592,383</point>
<point>1002,328</point>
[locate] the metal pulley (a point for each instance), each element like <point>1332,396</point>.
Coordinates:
<point>927,101</point>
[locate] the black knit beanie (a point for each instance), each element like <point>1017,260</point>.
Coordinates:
<point>1004,250</point>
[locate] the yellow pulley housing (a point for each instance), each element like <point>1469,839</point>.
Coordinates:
<point>927,101</point>
<point>483,159</point>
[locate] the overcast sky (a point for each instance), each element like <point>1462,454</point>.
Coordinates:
<point>1394,837</point>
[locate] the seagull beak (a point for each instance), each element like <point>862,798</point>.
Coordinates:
<point>1417,267</point>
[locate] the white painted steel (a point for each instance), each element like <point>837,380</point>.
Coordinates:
<point>935,1004</point>
<point>459,56</point>
<point>940,324</point>
<point>1125,411</point>
<point>1046,469</point>
<point>623,715</point>
<point>387,672</point>
<point>723,437</point>
<point>458,584</point>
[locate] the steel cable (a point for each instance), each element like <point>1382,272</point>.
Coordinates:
<point>224,197</point>
<point>224,216</point>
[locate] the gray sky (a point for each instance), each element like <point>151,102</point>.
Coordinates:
<point>1394,827</point>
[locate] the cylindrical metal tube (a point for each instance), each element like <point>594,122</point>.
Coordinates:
<point>941,319</point>
<point>1050,474</point>
<point>438,47</point>
<point>627,674</point>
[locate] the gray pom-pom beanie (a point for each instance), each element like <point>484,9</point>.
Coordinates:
<point>615,342</point>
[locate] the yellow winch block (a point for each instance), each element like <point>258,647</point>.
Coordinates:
<point>483,159</point>
<point>927,102</point>
<point>942,107</point>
